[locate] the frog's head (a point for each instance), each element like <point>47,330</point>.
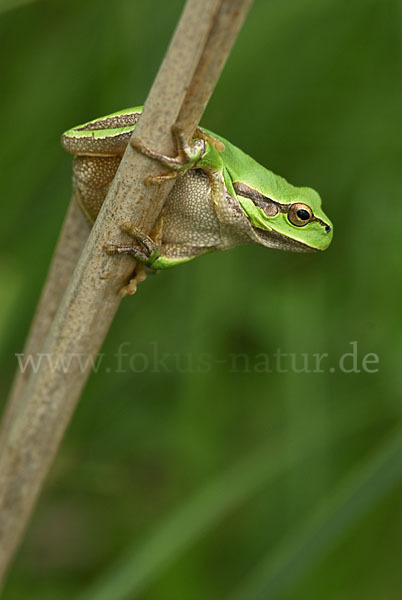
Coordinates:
<point>287,218</point>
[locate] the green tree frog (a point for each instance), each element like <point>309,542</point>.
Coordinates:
<point>221,198</point>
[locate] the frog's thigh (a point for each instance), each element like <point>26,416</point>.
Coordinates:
<point>91,180</point>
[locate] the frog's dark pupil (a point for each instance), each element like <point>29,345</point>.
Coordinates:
<point>303,214</point>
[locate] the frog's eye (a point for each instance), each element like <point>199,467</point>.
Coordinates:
<point>300,214</point>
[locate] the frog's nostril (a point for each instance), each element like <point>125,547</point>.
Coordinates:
<point>327,228</point>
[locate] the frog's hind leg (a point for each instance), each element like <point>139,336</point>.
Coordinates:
<point>187,156</point>
<point>139,275</point>
<point>211,139</point>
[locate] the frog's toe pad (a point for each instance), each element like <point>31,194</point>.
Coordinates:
<point>130,289</point>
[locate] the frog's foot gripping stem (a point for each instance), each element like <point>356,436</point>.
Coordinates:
<point>187,156</point>
<point>145,252</point>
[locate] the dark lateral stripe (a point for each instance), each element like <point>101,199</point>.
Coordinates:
<point>247,192</point>
<point>269,206</point>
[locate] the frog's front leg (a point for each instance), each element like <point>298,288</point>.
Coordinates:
<point>187,156</point>
<point>146,252</point>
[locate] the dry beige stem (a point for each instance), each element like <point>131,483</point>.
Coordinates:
<point>188,74</point>
<point>71,242</point>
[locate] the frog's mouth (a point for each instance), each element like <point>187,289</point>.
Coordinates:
<point>273,239</point>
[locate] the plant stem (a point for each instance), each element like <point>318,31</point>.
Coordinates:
<point>71,242</point>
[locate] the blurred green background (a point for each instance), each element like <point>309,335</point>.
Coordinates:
<point>207,476</point>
